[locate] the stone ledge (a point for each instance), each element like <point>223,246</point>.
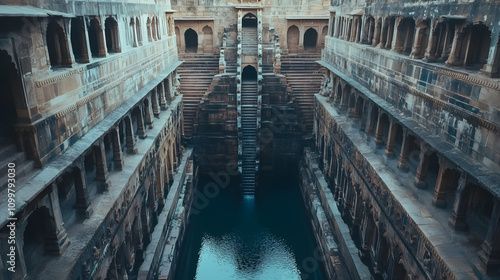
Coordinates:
<point>487,178</point>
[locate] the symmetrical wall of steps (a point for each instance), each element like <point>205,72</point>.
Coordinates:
<point>249,135</point>
<point>196,74</point>
<point>249,41</point>
<point>9,154</point>
<point>304,76</point>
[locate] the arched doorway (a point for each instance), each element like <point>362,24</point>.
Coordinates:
<point>11,94</point>
<point>191,41</point>
<point>111,30</point>
<point>207,40</point>
<point>249,73</point>
<point>310,39</point>
<point>38,238</point>
<point>57,45</point>
<point>249,20</point>
<point>292,39</point>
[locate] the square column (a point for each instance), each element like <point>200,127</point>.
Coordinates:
<point>457,218</point>
<point>423,167</point>
<point>405,149</point>
<point>490,249</point>
<point>101,167</point>
<point>56,243</point>
<point>117,149</point>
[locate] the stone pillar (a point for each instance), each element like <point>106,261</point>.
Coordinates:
<point>129,135</point>
<point>490,249</point>
<point>82,196</point>
<point>101,167</point>
<point>379,131</point>
<point>492,67</point>
<point>154,102</point>
<point>101,41</point>
<point>457,218</point>
<point>141,129</point>
<point>161,92</point>
<point>432,44</point>
<point>84,43</point>
<point>370,121</point>
<point>455,47</point>
<point>383,33</point>
<point>417,41</point>
<point>336,28</point>
<point>376,34</point>
<point>148,120</point>
<point>117,149</point>
<point>423,167</point>
<point>365,30</point>
<point>405,149</point>
<point>397,42</point>
<point>134,32</point>
<point>442,185</point>
<point>56,243</point>
<point>389,149</point>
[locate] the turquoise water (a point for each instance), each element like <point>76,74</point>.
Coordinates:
<point>263,238</point>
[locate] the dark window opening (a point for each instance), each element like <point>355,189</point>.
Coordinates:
<point>191,39</point>
<point>249,20</point>
<point>310,39</point>
<point>249,73</point>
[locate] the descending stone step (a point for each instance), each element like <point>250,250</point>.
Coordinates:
<point>249,136</point>
<point>196,73</point>
<point>304,76</point>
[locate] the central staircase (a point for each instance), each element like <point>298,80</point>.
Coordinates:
<point>249,135</point>
<point>249,41</point>
<point>304,76</point>
<point>196,73</point>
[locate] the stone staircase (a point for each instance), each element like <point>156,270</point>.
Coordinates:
<point>249,41</point>
<point>249,136</point>
<point>9,154</point>
<point>196,74</point>
<point>304,76</point>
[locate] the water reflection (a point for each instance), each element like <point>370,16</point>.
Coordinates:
<point>244,238</point>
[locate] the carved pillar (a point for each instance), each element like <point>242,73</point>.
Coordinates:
<point>117,149</point>
<point>379,131</point>
<point>155,96</point>
<point>455,47</point>
<point>417,41</point>
<point>148,119</point>
<point>129,135</point>
<point>490,249</point>
<point>405,149</point>
<point>432,44</point>
<point>377,33</point>
<point>101,42</point>
<point>336,28</point>
<point>423,167</point>
<point>161,93</point>
<point>101,167</point>
<point>56,242</point>
<point>82,196</point>
<point>389,149</point>
<point>383,33</point>
<point>398,40</point>
<point>457,218</point>
<point>141,130</point>
<point>134,32</point>
<point>442,185</point>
